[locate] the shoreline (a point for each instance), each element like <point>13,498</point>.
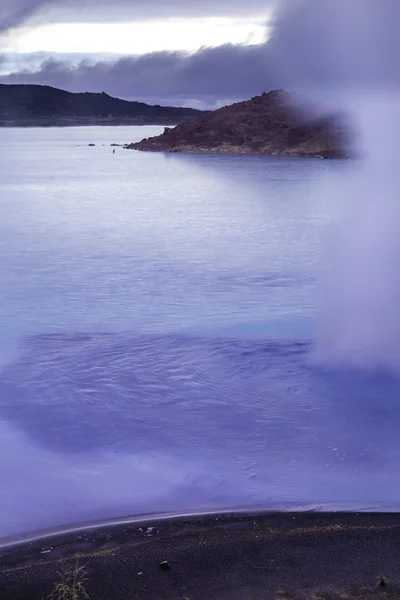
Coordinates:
<point>247,556</point>
<point>13,542</point>
<point>222,150</point>
<point>69,125</point>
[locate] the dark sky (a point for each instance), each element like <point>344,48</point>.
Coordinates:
<point>315,44</point>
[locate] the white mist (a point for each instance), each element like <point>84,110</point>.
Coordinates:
<point>360,325</point>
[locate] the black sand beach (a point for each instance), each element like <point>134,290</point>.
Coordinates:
<point>286,556</point>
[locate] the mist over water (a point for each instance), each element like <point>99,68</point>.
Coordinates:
<point>349,62</point>
<point>360,322</point>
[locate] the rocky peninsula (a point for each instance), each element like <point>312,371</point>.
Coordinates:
<point>274,123</point>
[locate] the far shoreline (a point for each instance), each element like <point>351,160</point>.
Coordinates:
<point>69,125</point>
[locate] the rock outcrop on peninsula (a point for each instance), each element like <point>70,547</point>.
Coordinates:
<point>274,123</point>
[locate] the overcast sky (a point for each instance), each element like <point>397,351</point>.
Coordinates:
<point>199,52</point>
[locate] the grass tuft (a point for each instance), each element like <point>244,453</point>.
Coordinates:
<point>383,581</point>
<point>71,585</point>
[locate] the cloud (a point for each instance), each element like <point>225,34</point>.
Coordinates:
<point>13,13</point>
<point>325,44</point>
<point>17,12</point>
<point>338,42</point>
<point>225,72</point>
<point>103,10</point>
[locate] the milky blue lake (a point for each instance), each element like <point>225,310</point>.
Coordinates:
<point>157,319</point>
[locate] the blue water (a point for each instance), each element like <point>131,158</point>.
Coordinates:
<point>157,316</point>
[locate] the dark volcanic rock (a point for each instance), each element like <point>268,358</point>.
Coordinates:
<point>274,123</point>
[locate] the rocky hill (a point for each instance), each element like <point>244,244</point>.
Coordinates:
<point>273,123</point>
<point>38,105</point>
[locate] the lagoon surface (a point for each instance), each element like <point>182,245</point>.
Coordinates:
<point>157,319</point>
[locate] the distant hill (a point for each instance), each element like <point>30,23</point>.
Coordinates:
<point>274,123</point>
<point>38,105</point>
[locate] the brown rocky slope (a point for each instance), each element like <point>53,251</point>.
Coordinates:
<point>273,123</point>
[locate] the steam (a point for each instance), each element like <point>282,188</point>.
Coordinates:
<point>361,317</point>
<point>349,50</point>
<point>360,325</point>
